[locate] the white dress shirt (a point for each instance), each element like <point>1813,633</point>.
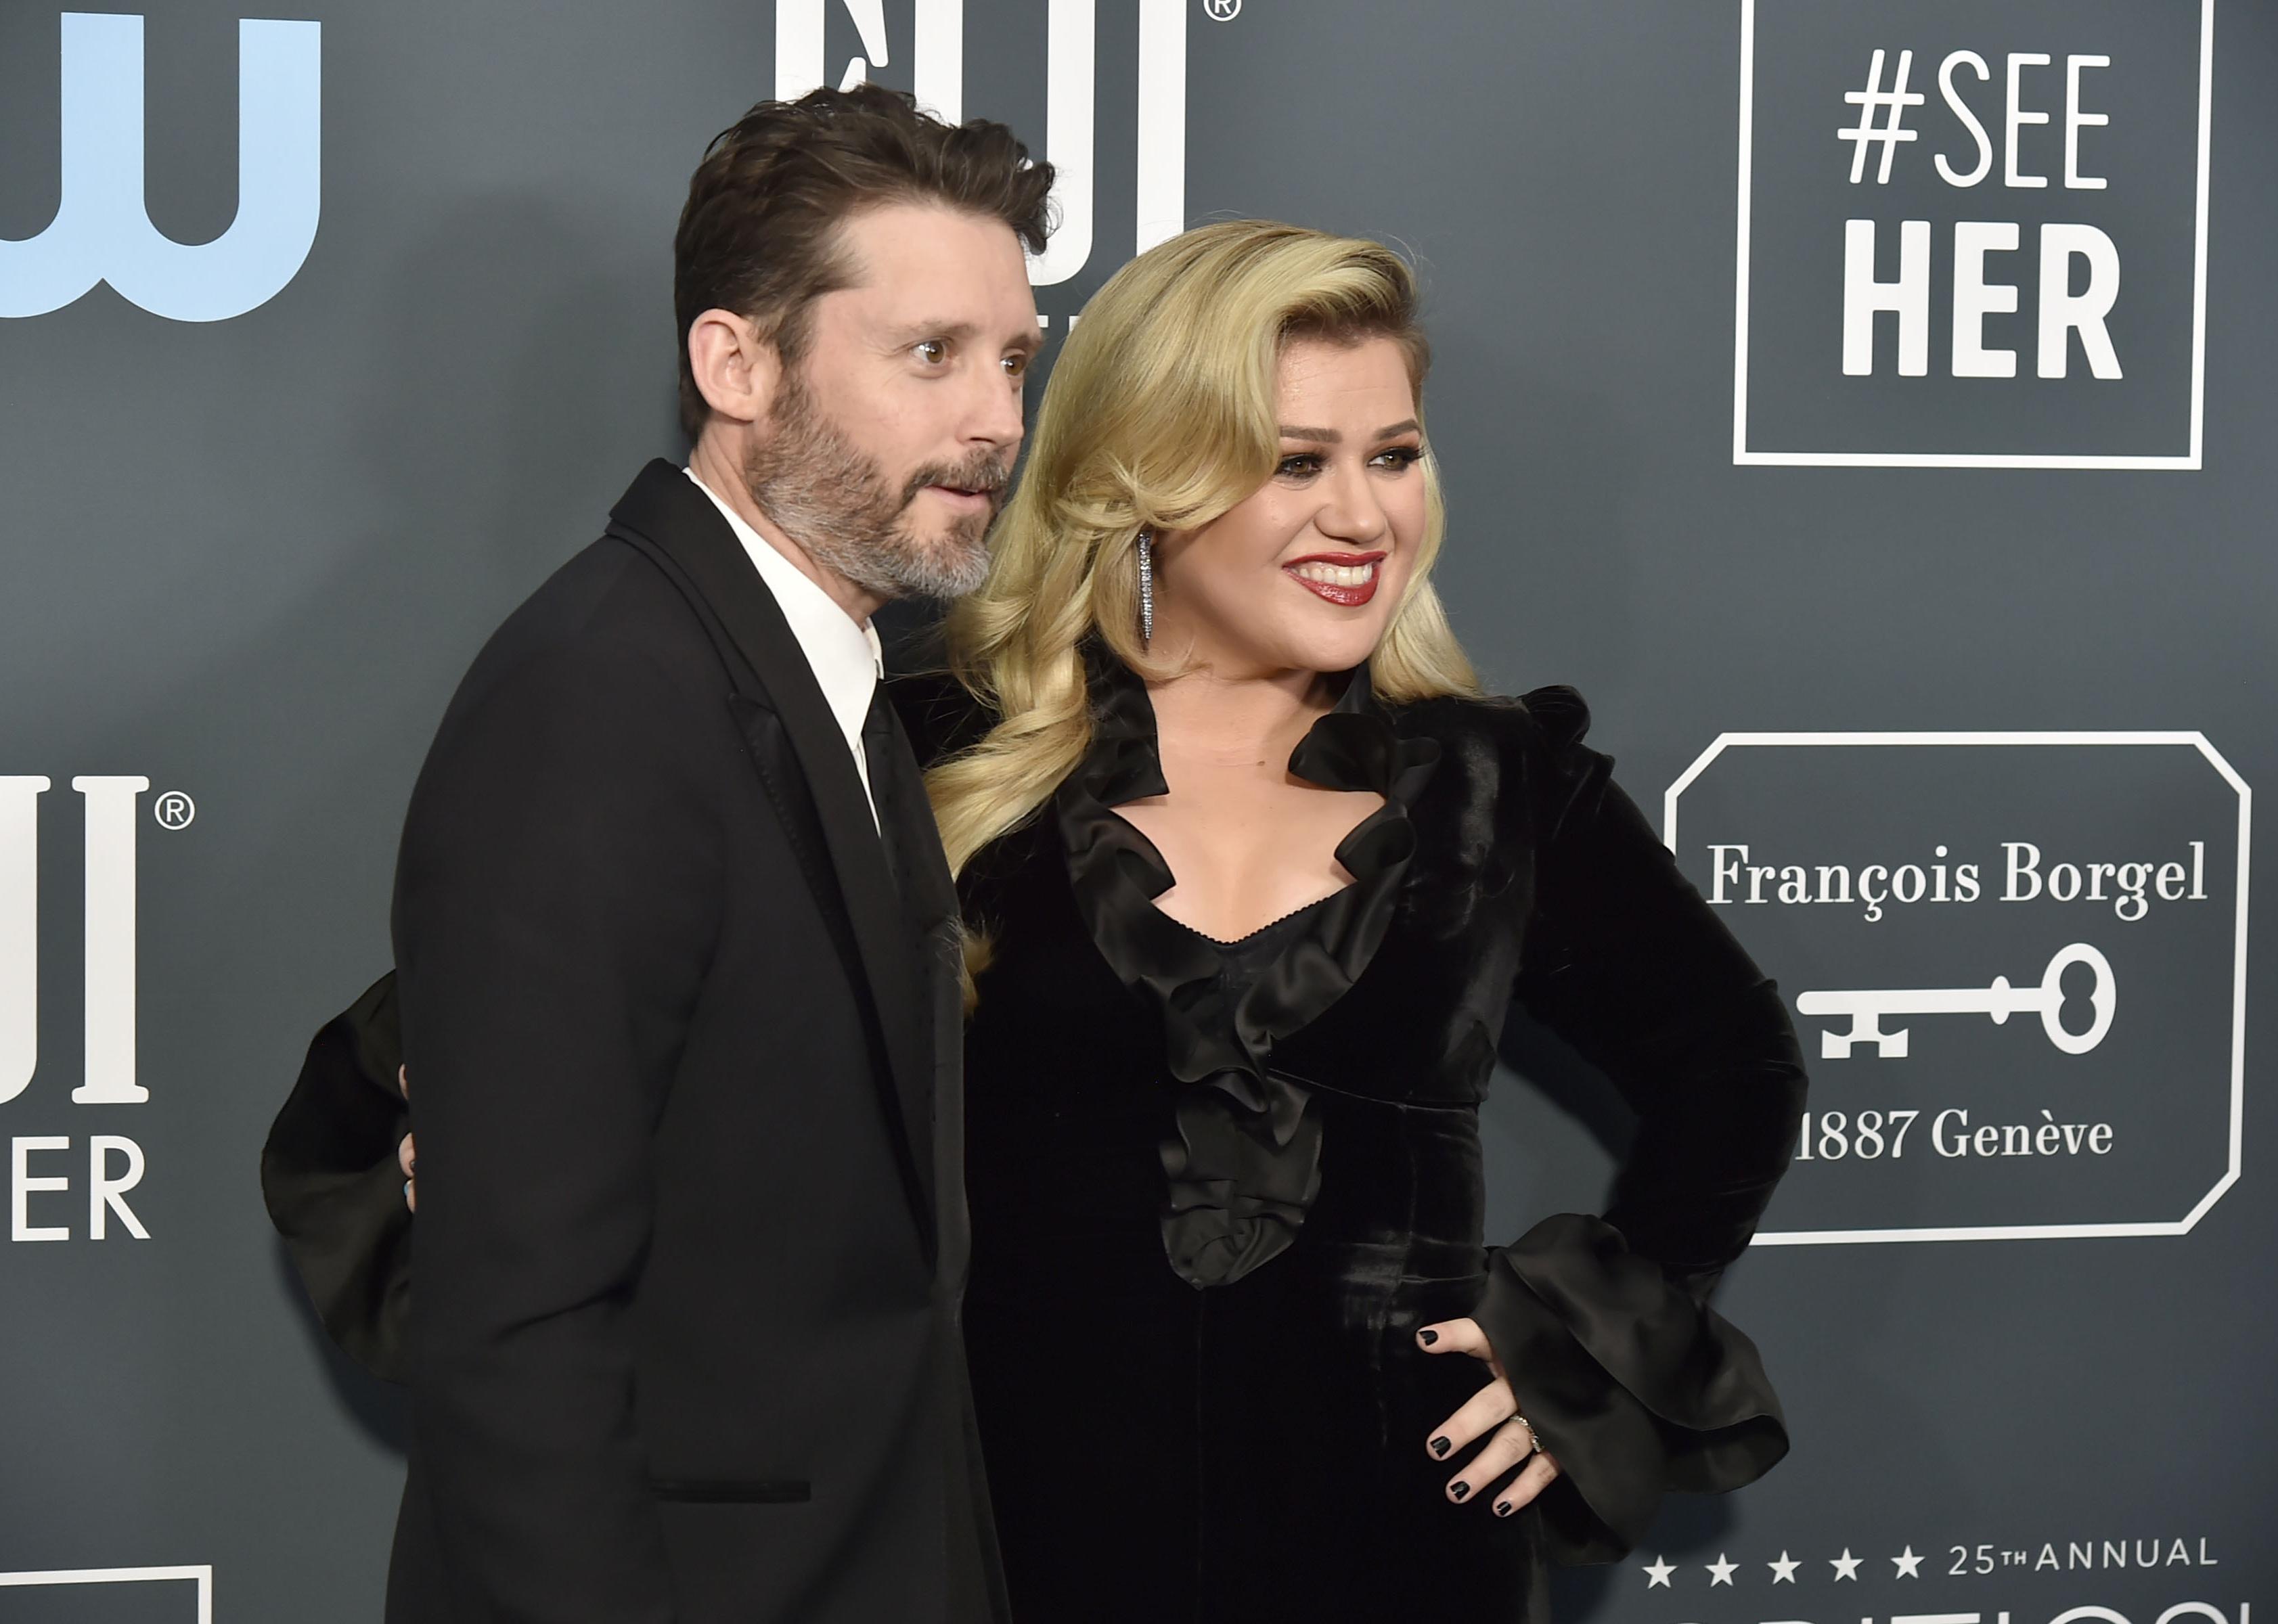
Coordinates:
<point>847,659</point>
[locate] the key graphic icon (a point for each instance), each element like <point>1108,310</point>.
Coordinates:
<point>1868,1007</point>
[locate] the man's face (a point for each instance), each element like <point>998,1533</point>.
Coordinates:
<point>890,444</point>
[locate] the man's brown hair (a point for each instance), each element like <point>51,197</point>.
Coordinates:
<point>759,233</point>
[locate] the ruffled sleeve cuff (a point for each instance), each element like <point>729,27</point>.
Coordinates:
<point>330,1178</point>
<point>1636,1385</point>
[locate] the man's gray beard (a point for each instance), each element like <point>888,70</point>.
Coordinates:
<point>823,493</point>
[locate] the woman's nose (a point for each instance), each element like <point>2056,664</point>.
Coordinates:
<point>1352,511</point>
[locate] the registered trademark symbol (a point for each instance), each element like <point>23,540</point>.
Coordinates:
<point>1222,10</point>
<point>174,809</point>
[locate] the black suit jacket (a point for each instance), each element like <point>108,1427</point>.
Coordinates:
<point>685,1062</point>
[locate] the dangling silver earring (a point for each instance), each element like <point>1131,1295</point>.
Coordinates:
<point>1146,587</point>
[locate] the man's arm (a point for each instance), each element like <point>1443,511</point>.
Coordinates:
<point>556,901</point>
<point>332,1179</point>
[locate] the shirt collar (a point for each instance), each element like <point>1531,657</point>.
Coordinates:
<point>847,659</point>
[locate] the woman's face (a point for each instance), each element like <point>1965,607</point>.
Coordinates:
<point>1303,574</point>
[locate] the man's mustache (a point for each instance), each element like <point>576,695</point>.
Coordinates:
<point>980,472</point>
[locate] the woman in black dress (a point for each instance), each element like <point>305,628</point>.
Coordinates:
<point>1252,875</point>
<point>1234,1019</point>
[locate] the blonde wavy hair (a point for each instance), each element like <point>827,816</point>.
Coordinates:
<point>1160,415</point>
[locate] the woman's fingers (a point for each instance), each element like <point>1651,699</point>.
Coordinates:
<point>1459,1337</point>
<point>1491,1408</point>
<point>1455,1337</point>
<point>1541,1470</point>
<point>1492,1405</point>
<point>1511,1443</point>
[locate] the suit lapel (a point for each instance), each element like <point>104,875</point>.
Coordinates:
<point>810,776</point>
<point>929,909</point>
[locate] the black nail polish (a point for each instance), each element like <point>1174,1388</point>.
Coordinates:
<point>1504,1508</point>
<point>1458,1490</point>
<point>1428,1338</point>
<point>1439,1448</point>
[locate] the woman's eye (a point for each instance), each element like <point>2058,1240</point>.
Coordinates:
<point>1400,458</point>
<point>933,352</point>
<point>1301,467</point>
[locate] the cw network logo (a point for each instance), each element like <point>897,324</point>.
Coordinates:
<point>1071,115</point>
<point>102,231</point>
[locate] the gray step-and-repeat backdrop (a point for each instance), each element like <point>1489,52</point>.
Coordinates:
<point>1867,403</point>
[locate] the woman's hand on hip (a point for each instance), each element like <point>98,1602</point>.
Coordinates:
<point>1493,1413</point>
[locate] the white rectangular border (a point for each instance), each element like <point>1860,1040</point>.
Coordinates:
<point>203,1575</point>
<point>1742,457</point>
<point>2026,1232</point>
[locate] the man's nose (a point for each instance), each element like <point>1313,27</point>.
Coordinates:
<point>994,415</point>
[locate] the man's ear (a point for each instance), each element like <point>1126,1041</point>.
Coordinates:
<point>736,367</point>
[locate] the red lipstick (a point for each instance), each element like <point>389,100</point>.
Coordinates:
<point>1347,594</point>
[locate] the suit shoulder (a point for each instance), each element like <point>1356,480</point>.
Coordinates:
<point>607,611</point>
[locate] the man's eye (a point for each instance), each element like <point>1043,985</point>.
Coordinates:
<point>933,352</point>
<point>1016,364</point>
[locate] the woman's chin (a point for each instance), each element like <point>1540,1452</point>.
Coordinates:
<point>1330,640</point>
<point>1338,647</point>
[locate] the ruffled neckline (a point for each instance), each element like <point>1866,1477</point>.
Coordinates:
<point>1245,1166</point>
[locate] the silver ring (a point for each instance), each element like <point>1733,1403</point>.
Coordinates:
<point>1533,1439</point>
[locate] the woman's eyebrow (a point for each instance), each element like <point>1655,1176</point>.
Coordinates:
<point>1330,437</point>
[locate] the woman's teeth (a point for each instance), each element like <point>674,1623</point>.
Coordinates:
<point>1336,575</point>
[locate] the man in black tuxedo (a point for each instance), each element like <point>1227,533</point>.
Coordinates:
<point>675,949</point>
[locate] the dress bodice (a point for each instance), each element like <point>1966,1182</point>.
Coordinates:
<point>1242,1151</point>
<point>1240,1174</point>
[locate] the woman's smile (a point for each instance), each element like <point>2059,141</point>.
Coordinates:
<point>1346,578</point>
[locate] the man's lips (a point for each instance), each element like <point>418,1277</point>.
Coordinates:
<point>1347,579</point>
<point>967,499</point>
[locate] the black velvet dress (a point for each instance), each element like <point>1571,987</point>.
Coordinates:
<point>1216,1187</point>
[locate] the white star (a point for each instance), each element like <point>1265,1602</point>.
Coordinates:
<point>1846,1566</point>
<point>1720,1571</point>
<point>1909,1566</point>
<point>1783,1570</point>
<point>1657,1572</point>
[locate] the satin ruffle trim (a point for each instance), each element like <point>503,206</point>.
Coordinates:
<point>1636,1386</point>
<point>1244,1164</point>
<point>1242,1180</point>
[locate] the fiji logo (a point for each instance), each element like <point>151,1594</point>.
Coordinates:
<point>937,78</point>
<point>102,231</point>
<point>108,804</point>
